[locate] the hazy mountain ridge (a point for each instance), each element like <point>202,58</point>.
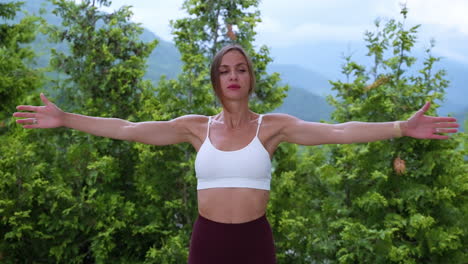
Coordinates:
<point>308,88</point>
<point>326,58</point>
<point>164,60</point>
<point>306,96</point>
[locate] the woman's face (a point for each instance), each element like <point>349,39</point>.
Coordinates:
<point>234,76</point>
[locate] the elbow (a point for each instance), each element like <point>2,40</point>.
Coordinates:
<point>127,132</point>
<point>340,135</point>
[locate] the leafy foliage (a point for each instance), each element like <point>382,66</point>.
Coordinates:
<point>347,203</point>
<point>212,25</point>
<point>386,216</point>
<point>77,190</point>
<point>74,198</point>
<point>198,38</point>
<point>16,77</point>
<point>71,197</point>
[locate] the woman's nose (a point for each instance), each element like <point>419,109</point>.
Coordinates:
<point>233,75</point>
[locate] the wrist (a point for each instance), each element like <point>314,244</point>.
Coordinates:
<point>64,119</point>
<point>400,128</point>
<point>397,131</point>
<point>404,128</point>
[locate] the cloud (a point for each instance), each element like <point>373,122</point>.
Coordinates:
<point>290,22</point>
<point>446,22</point>
<point>449,53</point>
<point>313,31</point>
<point>450,15</point>
<point>153,14</point>
<point>293,22</point>
<point>273,31</point>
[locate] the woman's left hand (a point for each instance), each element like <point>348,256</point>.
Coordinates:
<point>428,127</point>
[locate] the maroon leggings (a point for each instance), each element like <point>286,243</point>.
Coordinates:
<point>250,242</point>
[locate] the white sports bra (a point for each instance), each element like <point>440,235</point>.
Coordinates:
<point>249,167</point>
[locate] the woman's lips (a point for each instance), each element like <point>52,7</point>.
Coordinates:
<point>234,87</point>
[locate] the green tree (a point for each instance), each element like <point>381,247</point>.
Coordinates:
<point>103,78</point>
<point>212,25</point>
<point>71,196</point>
<point>170,168</point>
<point>347,203</point>
<point>17,78</point>
<point>401,200</point>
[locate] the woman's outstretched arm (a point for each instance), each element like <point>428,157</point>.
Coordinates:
<point>419,125</point>
<point>155,132</point>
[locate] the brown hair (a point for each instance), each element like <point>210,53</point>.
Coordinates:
<point>217,62</point>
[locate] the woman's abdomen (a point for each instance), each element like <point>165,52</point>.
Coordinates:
<point>232,205</point>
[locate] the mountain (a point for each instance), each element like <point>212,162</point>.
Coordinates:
<point>307,92</point>
<point>164,60</point>
<point>305,105</point>
<point>456,99</point>
<point>325,59</point>
<point>306,79</point>
<point>308,82</point>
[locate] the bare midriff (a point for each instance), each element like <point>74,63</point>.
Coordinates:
<point>232,205</point>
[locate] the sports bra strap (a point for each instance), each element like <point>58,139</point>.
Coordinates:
<point>258,127</point>
<point>259,122</point>
<point>208,130</point>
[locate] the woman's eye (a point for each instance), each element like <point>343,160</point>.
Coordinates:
<point>222,72</point>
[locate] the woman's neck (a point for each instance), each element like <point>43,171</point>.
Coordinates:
<point>236,115</point>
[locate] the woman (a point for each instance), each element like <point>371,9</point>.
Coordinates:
<point>235,147</point>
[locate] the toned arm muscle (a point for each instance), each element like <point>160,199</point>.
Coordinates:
<point>152,132</point>
<point>159,133</point>
<point>301,132</point>
<point>155,132</point>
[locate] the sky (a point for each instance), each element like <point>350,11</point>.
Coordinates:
<point>287,24</point>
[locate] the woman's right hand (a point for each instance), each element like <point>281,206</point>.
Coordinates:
<point>47,116</point>
<point>158,133</point>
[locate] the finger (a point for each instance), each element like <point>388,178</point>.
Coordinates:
<point>426,107</point>
<point>445,125</point>
<point>26,121</point>
<point>44,99</point>
<point>24,114</point>
<point>443,119</point>
<point>423,109</point>
<point>444,130</point>
<point>27,108</point>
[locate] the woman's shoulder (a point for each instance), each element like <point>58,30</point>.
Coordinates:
<point>193,124</point>
<point>279,118</point>
<point>191,120</point>
<point>277,122</point>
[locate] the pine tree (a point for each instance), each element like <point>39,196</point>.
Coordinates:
<point>18,161</point>
<point>210,26</point>
<point>394,201</point>
<point>401,200</point>
<point>17,77</point>
<point>73,195</point>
